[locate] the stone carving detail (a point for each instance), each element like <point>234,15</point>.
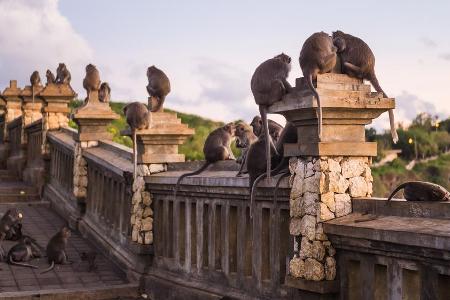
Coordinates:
<point>142,212</point>
<point>321,190</point>
<point>80,179</point>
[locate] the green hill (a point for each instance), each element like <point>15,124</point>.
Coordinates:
<point>192,148</point>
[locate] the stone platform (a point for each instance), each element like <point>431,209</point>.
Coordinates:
<point>41,223</point>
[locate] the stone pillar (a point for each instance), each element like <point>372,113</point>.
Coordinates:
<point>31,107</point>
<point>92,119</point>
<point>156,147</point>
<point>326,174</point>
<point>13,109</point>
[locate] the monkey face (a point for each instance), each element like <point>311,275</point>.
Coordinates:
<point>241,132</point>
<point>340,44</point>
<point>66,232</point>
<point>284,58</point>
<point>230,128</point>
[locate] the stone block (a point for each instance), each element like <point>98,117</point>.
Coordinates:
<point>330,268</point>
<point>146,199</point>
<point>318,250</point>
<point>325,213</point>
<point>328,199</point>
<point>334,166</point>
<point>343,204</point>
<point>314,270</point>
<point>297,267</point>
<point>358,187</point>
<point>352,167</point>
<point>311,184</point>
<point>337,183</point>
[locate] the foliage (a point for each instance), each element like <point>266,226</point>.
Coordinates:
<point>192,148</point>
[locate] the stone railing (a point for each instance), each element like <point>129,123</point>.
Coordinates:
<point>17,160</point>
<point>34,172</point>
<point>207,233</point>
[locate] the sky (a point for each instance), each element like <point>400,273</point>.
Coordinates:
<point>209,49</point>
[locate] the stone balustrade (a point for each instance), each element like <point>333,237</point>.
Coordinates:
<point>205,243</point>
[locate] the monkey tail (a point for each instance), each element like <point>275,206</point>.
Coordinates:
<point>253,191</point>
<point>134,154</point>
<point>396,190</point>
<point>275,190</point>
<point>196,172</point>
<point>52,265</point>
<point>263,112</point>
<point>319,106</point>
<point>13,262</point>
<point>377,87</point>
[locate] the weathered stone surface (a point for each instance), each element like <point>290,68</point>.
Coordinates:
<point>148,212</point>
<point>148,238</point>
<point>306,248</point>
<point>320,165</point>
<point>314,270</point>
<point>367,174</point>
<point>308,226</point>
<point>334,166</point>
<point>297,187</point>
<point>79,192</point>
<point>343,204</point>
<point>358,187</point>
<point>136,198</point>
<point>325,213</point>
<point>83,181</point>
<point>133,219</point>
<point>330,249</point>
<point>330,268</point>
<point>146,199</point>
<point>324,183</point>
<point>309,204</point>
<point>309,171</point>
<point>293,164</point>
<point>300,168</point>
<point>352,167</point>
<point>157,168</point>
<point>134,234</point>
<point>294,226</point>
<point>311,184</point>
<point>337,183</point>
<point>318,250</point>
<point>328,199</point>
<point>297,267</point>
<point>138,184</point>
<point>147,224</point>
<point>295,207</point>
<point>320,235</point>
<point>142,170</point>
<point>92,144</point>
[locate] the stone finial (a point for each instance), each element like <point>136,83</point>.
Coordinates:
<point>347,104</point>
<point>94,116</point>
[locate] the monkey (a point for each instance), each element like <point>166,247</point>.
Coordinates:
<point>92,80</point>
<point>274,127</point>
<point>287,136</point>
<point>358,60</point>
<point>269,84</point>
<point>89,257</point>
<point>8,221</point>
<point>56,249</point>
<point>35,80</point>
<point>50,77</point>
<point>244,139</point>
<point>104,95</point>
<point>318,56</point>
<point>217,147</point>
<point>63,75</point>
<point>22,252</point>
<point>422,191</point>
<point>138,118</point>
<point>158,87</point>
<point>15,233</point>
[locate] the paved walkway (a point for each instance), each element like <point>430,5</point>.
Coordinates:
<point>41,223</point>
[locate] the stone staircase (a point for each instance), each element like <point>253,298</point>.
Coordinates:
<point>14,190</point>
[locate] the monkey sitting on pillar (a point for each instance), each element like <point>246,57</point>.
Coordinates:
<point>50,77</point>
<point>63,75</point>
<point>23,252</point>
<point>217,147</point>
<point>274,128</point>
<point>56,249</point>
<point>158,87</point>
<point>138,118</point>
<point>318,56</point>
<point>35,81</point>
<point>92,80</point>
<point>269,84</point>
<point>104,94</point>
<point>357,60</point>
<point>245,137</point>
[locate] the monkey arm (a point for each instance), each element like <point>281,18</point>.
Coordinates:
<point>287,85</point>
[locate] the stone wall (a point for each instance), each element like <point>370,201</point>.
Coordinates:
<point>142,212</point>
<point>80,176</point>
<point>322,189</point>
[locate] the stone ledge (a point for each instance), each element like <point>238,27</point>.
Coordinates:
<point>319,287</point>
<point>331,149</point>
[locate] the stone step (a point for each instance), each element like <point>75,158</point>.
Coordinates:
<point>5,176</point>
<point>15,191</point>
<point>124,291</point>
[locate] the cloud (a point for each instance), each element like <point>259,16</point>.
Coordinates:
<point>223,92</point>
<point>35,36</point>
<point>428,42</point>
<point>408,107</point>
<point>445,56</point>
